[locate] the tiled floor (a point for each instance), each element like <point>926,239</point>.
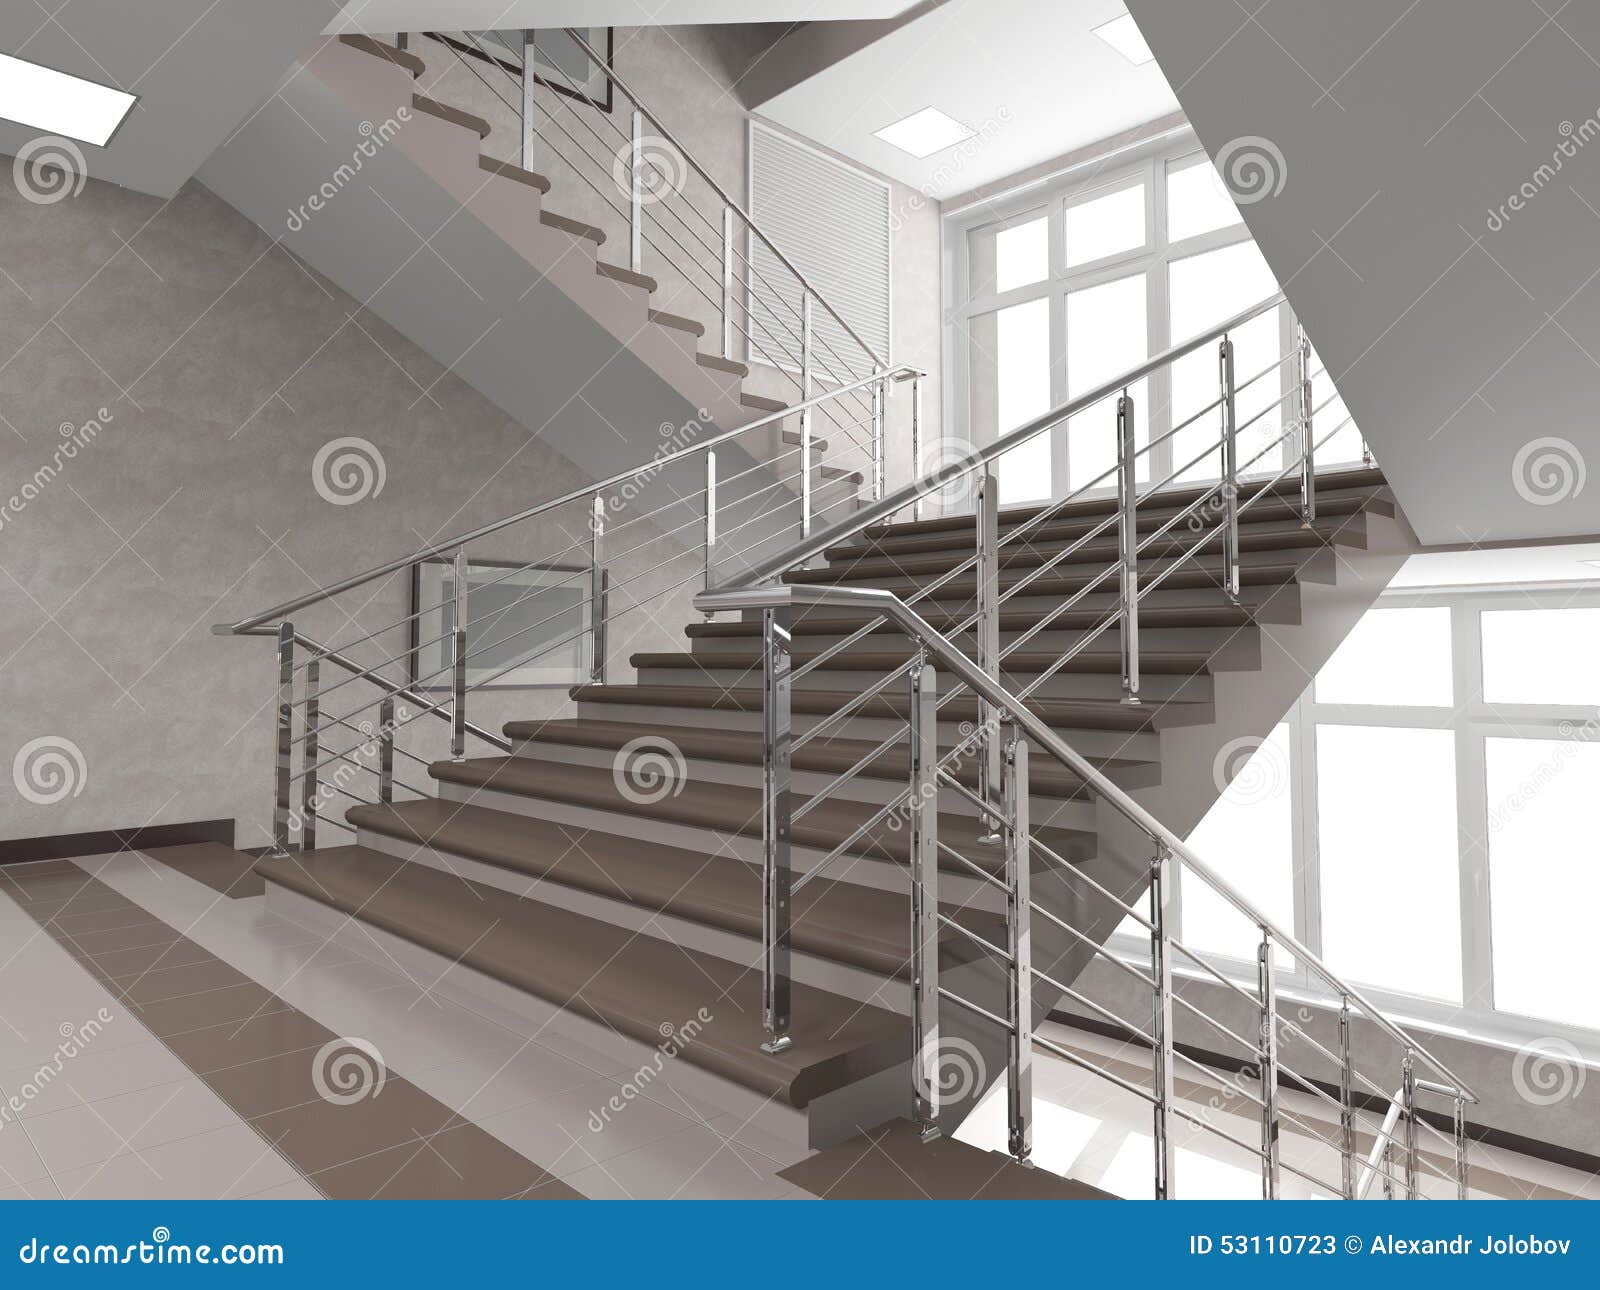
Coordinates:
<point>124,1076</point>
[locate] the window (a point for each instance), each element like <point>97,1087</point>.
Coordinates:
<point>1565,642</point>
<point>1125,261</point>
<point>1399,657</point>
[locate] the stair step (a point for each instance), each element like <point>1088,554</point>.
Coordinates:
<point>574,226</point>
<point>678,322</point>
<point>618,274</point>
<point>731,809</point>
<point>1062,714</point>
<point>639,986</point>
<point>823,755</point>
<point>792,439</point>
<point>389,53</point>
<point>1150,616</point>
<point>760,402</point>
<point>732,366</point>
<point>509,171</point>
<point>861,926</point>
<point>454,115</point>
<point>860,658</point>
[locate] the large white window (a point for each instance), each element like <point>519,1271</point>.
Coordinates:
<point>1061,286</point>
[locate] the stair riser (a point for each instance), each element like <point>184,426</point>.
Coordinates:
<point>840,978</point>
<point>882,874</point>
<point>863,788</point>
<point>1092,743</point>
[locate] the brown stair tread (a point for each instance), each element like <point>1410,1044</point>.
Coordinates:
<point>1202,571</point>
<point>1062,714</point>
<point>1221,614</point>
<point>637,985</point>
<point>631,277</point>
<point>735,810</point>
<point>760,402</point>
<point>576,227</point>
<point>826,754</point>
<point>454,115</point>
<point>862,926</point>
<point>678,322</point>
<point>389,53</point>
<point>1329,482</point>
<point>859,658</point>
<point>731,366</point>
<point>497,167</point>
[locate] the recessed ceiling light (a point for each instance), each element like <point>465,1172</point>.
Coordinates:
<point>59,103</point>
<point>1124,36</point>
<point>924,133</point>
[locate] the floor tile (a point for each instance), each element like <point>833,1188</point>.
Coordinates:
<point>224,1164</point>
<point>462,1163</point>
<point>697,1164</point>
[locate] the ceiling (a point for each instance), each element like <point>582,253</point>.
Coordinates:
<point>507,15</point>
<point>1463,333</point>
<point>1028,76</point>
<point>198,66</point>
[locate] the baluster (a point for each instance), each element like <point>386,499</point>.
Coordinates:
<point>923,739</point>
<point>776,874</point>
<point>877,435</point>
<point>283,752</point>
<point>1128,546</point>
<point>727,282</point>
<point>1019,946</point>
<point>711,516</point>
<point>1230,474</point>
<point>1388,1167</point>
<point>805,414</point>
<point>636,196</point>
<point>1308,467</point>
<point>1161,1076</point>
<point>916,440</point>
<point>530,55</point>
<point>986,512</point>
<point>1347,1111</point>
<point>1461,1146</point>
<point>1267,973</point>
<point>386,749</point>
<point>1408,1112</point>
<point>309,779</point>
<point>597,591</point>
<point>458,693</point>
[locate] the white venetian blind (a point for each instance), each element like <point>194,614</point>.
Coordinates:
<point>832,221</point>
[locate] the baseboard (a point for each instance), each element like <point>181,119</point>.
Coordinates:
<point>65,846</point>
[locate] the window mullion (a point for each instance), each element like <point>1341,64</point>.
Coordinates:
<point>1472,812</point>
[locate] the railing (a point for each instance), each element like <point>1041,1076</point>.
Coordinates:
<point>630,170</point>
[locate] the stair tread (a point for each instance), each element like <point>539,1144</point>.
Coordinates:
<point>862,926</point>
<point>732,809</point>
<point>860,658</point>
<point>760,402</point>
<point>497,167</point>
<point>389,53</point>
<point>576,227</point>
<point>677,321</point>
<point>617,273</point>
<point>639,986</point>
<point>1218,615</point>
<point>824,754</point>
<point>1063,714</point>
<point>454,115</point>
<point>1204,571</point>
<point>730,366</point>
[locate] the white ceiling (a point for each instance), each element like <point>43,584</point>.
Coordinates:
<point>198,66</point>
<point>507,15</point>
<point>1027,75</point>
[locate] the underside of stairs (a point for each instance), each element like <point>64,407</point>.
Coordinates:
<point>607,873</point>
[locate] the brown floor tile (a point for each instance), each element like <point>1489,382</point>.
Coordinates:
<point>271,1084</point>
<point>235,1043</point>
<point>160,983</point>
<point>141,935</point>
<point>224,870</point>
<point>77,922</point>
<point>459,1164</point>
<point>210,1008</point>
<point>177,952</point>
<point>320,1134</point>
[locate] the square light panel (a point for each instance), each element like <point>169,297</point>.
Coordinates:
<point>58,103</point>
<point>924,133</point>
<point>1124,36</point>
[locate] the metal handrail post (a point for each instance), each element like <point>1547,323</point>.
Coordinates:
<point>1128,548</point>
<point>1230,473</point>
<point>283,749</point>
<point>1161,1072</point>
<point>923,737</point>
<point>1019,948</point>
<point>1267,976</point>
<point>777,874</point>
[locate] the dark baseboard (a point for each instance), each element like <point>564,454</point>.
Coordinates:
<point>1547,1151</point>
<point>64,846</point>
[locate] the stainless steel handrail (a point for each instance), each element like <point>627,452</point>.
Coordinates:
<point>875,600</point>
<point>653,466</point>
